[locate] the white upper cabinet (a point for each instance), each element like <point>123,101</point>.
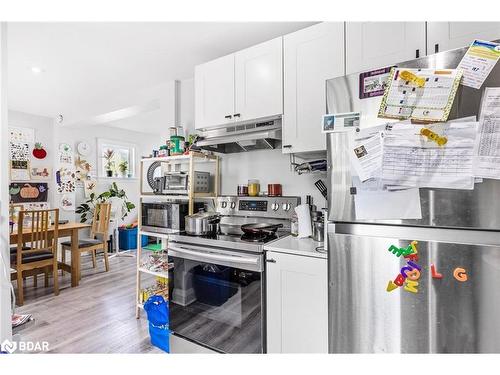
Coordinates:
<point>443,36</point>
<point>245,85</point>
<point>259,81</point>
<point>372,45</point>
<point>214,92</point>
<point>311,56</point>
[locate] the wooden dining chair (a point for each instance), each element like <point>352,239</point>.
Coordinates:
<point>41,254</point>
<point>98,236</point>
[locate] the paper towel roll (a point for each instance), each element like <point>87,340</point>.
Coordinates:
<point>304,218</point>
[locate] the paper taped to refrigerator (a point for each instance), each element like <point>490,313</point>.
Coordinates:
<point>427,98</point>
<point>365,149</point>
<point>488,160</point>
<point>388,205</point>
<point>366,152</point>
<point>410,160</point>
<point>478,62</point>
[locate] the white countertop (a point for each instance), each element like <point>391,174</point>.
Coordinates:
<point>298,246</point>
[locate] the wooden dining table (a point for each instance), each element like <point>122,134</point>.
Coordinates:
<point>70,230</point>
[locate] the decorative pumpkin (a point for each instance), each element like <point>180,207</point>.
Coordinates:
<point>29,192</point>
<point>39,152</point>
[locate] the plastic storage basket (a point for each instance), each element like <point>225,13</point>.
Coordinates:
<point>127,238</point>
<point>213,287</point>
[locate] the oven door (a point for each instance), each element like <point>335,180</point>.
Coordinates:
<point>217,298</point>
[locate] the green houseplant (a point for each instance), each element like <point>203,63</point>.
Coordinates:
<point>123,167</point>
<point>86,209</point>
<point>108,156</point>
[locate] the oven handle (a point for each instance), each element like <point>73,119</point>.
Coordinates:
<point>226,258</point>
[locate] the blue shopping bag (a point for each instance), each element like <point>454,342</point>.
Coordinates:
<point>157,309</point>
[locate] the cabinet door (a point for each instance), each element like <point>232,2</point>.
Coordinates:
<point>297,304</point>
<point>214,92</point>
<point>259,81</point>
<point>311,56</point>
<point>371,45</point>
<point>443,36</point>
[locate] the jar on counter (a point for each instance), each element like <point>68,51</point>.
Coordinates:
<point>242,190</point>
<point>253,188</point>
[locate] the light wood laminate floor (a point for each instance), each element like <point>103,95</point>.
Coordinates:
<point>98,316</point>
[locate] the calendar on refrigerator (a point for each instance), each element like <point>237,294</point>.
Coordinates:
<point>426,96</point>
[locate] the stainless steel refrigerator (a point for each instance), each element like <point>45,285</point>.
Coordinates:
<point>458,228</point>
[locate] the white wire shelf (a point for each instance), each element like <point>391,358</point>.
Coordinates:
<point>153,234</point>
<point>163,197</point>
<point>199,157</point>
<point>154,273</point>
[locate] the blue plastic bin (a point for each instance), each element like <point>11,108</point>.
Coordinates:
<point>127,238</point>
<point>213,288</point>
<point>158,316</point>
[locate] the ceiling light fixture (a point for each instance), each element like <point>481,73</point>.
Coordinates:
<point>36,70</point>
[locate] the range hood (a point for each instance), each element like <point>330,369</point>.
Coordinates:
<point>242,136</point>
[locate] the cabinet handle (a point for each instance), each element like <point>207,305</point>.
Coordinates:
<point>236,115</point>
<point>270,261</point>
<point>436,48</point>
<point>417,53</point>
<point>287,146</point>
<point>228,116</point>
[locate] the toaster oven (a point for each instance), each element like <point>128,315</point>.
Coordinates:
<point>178,183</point>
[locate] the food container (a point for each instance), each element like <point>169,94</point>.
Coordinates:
<point>318,231</point>
<point>253,188</point>
<point>274,190</point>
<point>176,145</point>
<point>202,224</point>
<point>242,190</point>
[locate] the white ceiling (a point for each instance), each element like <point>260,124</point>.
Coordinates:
<point>94,68</point>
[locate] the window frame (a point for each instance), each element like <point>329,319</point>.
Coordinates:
<point>132,148</point>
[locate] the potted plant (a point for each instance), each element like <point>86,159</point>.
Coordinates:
<point>86,210</point>
<point>108,155</point>
<point>123,167</point>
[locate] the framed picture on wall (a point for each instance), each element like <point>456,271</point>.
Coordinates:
<point>19,170</point>
<point>28,193</point>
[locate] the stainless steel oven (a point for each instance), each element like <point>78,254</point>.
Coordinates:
<point>217,296</point>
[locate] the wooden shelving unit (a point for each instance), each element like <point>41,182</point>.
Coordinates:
<point>191,159</point>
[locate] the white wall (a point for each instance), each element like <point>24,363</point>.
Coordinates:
<point>51,135</point>
<point>268,166</point>
<point>144,144</point>
<point>5,310</point>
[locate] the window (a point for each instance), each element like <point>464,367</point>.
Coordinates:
<point>115,159</point>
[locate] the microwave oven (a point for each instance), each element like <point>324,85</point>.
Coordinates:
<point>165,217</point>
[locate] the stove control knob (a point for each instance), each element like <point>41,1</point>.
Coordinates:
<point>233,205</point>
<point>223,204</point>
<point>286,206</point>
<point>275,206</point>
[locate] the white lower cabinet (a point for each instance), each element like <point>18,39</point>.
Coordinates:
<point>297,304</point>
